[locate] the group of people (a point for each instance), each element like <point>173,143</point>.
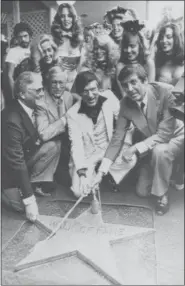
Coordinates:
<point>107,91</point>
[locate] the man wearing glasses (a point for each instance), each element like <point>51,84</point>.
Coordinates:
<point>26,161</point>
<point>51,112</point>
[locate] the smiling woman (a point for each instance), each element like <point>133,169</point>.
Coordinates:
<point>170,54</point>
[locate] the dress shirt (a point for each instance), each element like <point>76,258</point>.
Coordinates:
<point>145,101</point>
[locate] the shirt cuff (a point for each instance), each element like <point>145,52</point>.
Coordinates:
<point>29,200</point>
<point>105,165</point>
<point>142,148</point>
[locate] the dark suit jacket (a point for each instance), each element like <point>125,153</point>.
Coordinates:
<point>157,127</point>
<point>19,143</point>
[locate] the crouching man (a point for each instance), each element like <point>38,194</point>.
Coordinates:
<point>158,135</point>
<point>24,159</point>
<point>90,123</point>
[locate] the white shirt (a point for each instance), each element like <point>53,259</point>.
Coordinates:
<point>28,110</point>
<point>17,54</point>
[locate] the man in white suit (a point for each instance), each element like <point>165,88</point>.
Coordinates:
<point>91,123</point>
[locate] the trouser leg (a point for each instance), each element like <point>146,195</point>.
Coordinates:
<point>43,164</point>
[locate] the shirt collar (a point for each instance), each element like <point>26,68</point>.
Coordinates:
<point>84,108</point>
<point>27,109</point>
<point>145,100</point>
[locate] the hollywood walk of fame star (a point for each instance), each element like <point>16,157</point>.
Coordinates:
<point>88,237</point>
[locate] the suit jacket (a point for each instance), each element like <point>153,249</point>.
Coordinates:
<point>20,141</point>
<point>81,129</point>
<point>49,123</point>
<point>158,126</point>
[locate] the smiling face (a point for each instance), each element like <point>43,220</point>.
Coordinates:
<point>167,41</point>
<point>90,94</point>
<point>117,29</point>
<point>131,47</point>
<point>57,85</point>
<point>66,19</point>
<point>23,39</point>
<point>134,87</point>
<point>47,52</point>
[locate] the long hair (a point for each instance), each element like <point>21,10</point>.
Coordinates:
<point>141,59</point>
<point>112,52</point>
<point>56,27</point>
<point>177,56</point>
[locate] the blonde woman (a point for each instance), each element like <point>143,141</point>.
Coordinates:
<point>102,60</point>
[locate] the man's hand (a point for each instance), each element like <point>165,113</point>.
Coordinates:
<point>31,208</point>
<point>85,187</point>
<point>97,180</point>
<point>128,153</point>
<point>32,211</point>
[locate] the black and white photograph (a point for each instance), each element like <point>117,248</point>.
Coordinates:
<point>92,142</point>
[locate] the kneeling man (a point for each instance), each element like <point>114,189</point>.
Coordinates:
<point>91,124</point>
<point>158,137</point>
<point>25,160</point>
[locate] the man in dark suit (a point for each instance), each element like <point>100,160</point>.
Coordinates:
<point>24,159</point>
<point>157,139</point>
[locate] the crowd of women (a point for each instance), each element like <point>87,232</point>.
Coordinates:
<point>106,48</point>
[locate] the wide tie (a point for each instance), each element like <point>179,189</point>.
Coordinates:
<point>33,119</point>
<point>142,108</point>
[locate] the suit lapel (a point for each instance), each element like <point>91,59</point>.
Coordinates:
<point>27,122</point>
<point>108,120</point>
<point>51,107</point>
<point>139,120</point>
<point>151,110</point>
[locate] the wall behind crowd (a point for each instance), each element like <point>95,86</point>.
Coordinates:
<point>96,9</point>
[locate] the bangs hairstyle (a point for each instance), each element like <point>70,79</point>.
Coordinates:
<point>129,70</point>
<point>83,79</point>
<point>56,27</point>
<point>112,51</point>
<point>23,80</point>
<point>142,52</point>
<point>177,56</point>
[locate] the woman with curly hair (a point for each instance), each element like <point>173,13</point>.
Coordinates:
<point>115,17</point>
<point>169,58</point>
<point>68,36</point>
<point>102,60</point>
<point>134,50</point>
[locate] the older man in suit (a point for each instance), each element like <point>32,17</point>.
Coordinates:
<point>25,160</point>
<point>158,136</point>
<point>51,116</point>
<point>91,125</point>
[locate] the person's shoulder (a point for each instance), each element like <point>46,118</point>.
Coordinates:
<point>11,114</point>
<point>162,86</point>
<point>73,110</point>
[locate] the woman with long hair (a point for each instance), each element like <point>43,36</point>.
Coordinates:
<point>169,58</point>
<point>42,52</point>
<point>68,36</point>
<point>102,60</point>
<point>134,50</point>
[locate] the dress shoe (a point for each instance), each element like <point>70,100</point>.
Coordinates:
<point>162,206</point>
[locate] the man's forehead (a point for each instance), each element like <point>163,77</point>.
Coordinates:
<point>23,33</point>
<point>60,76</point>
<point>130,77</point>
<point>91,85</point>
<point>37,81</point>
